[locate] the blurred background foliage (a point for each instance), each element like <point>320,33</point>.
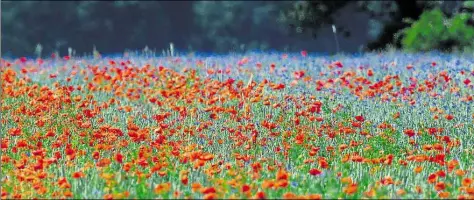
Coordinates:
<point>435,30</point>
<point>223,26</point>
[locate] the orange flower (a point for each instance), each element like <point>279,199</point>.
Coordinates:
<point>208,190</point>
<point>323,163</point>
<point>438,146</point>
<point>387,180</point>
<point>418,189</point>
<point>289,195</point>
<point>127,167</point>
<point>267,184</point>
<point>403,162</point>
<point>108,196</point>
<point>460,172</point>
<point>282,183</point>
<point>401,192</point>
<point>396,115</point>
<point>103,162</point>
<point>315,196</point>
<point>452,164</point>
<point>440,186</point>
<point>15,132</point>
<point>444,194</point>
<point>162,173</point>
<point>466,182</point>
<point>370,193</point>
<point>176,194</point>
<point>68,193</point>
<point>162,188</point>
<point>427,147</point>
<point>9,75</point>
<point>351,188</point>
<point>347,180</point>
<point>207,157</point>
<point>282,175</point>
<point>470,190</point>
<point>195,187</point>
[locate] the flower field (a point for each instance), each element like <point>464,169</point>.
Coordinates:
<point>238,126</point>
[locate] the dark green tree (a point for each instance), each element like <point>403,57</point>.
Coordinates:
<point>238,25</point>
<point>110,26</point>
<point>437,30</point>
<point>309,16</point>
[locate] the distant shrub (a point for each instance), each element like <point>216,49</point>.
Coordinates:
<point>434,31</point>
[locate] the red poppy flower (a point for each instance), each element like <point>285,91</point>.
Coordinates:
<point>409,132</point>
<point>304,53</point>
<point>467,81</point>
<point>23,59</point>
<point>360,118</point>
<point>315,172</point>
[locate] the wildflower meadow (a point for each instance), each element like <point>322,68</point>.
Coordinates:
<point>238,126</point>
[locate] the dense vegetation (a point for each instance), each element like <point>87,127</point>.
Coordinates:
<point>216,26</point>
<point>242,125</point>
<point>238,126</point>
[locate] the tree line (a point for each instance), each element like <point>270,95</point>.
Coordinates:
<point>215,26</point>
